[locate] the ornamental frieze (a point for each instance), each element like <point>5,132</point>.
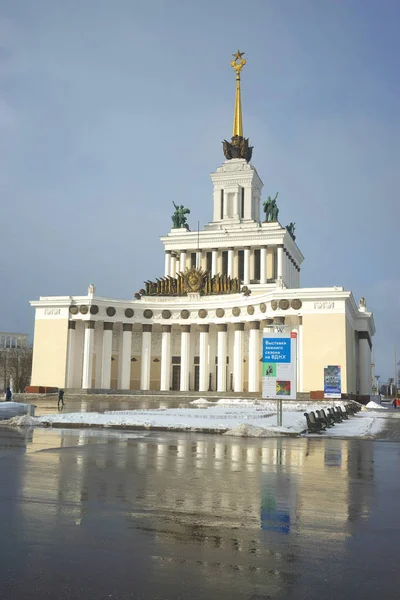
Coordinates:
<point>193,281</point>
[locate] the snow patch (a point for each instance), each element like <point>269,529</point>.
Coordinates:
<point>244,430</point>
<point>375,405</point>
<point>201,402</point>
<point>23,421</point>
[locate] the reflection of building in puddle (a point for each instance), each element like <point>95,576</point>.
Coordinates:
<point>327,495</point>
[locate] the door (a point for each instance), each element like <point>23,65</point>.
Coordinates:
<point>176,377</point>
<point>196,377</point>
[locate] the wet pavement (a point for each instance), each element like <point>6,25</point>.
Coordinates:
<point>100,515</point>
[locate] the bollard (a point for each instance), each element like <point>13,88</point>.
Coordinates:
<point>31,410</point>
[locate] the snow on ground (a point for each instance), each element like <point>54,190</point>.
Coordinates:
<point>250,418</point>
<point>375,405</point>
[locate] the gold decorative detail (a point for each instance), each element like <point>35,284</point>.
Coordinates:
<point>166,314</point>
<point>220,312</point>
<point>185,314</point>
<point>237,119</point>
<point>147,313</point>
<point>250,309</point>
<point>274,304</point>
<point>193,281</point>
<point>129,313</point>
<point>236,311</point>
<point>73,310</point>
<point>83,309</point>
<point>263,307</point>
<point>202,313</point>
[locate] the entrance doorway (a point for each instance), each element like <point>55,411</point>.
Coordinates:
<point>196,377</point>
<point>176,377</point>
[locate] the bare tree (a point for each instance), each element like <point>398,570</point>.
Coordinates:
<point>16,367</point>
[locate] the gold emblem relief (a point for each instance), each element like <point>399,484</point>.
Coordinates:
<point>194,280</point>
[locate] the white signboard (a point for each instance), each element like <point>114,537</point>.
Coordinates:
<point>279,370</point>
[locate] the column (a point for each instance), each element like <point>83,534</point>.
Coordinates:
<point>88,355</point>
<point>185,357</point>
<point>214,262</point>
<point>238,357</point>
<point>173,265</point>
<point>70,375</point>
<point>204,367</point>
<point>246,270</point>
<point>126,355</point>
<point>145,358</point>
<point>230,261</point>
<point>300,355</point>
<point>106,356</point>
<point>167,269</point>
<point>182,261</point>
<point>166,358</point>
<point>198,259</point>
<point>286,268</point>
<point>222,346</point>
<point>279,261</point>
<point>263,264</point>
<point>254,356</point>
<point>364,358</point>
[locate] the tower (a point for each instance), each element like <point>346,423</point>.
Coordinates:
<point>237,186</point>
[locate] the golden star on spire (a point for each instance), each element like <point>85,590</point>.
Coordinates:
<point>238,55</point>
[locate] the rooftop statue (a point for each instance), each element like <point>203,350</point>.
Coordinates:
<point>271,209</point>
<point>291,227</point>
<point>179,217</point>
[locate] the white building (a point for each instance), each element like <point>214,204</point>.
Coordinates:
<point>202,330</point>
<point>13,340</point>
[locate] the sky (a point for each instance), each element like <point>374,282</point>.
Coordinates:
<point>109,111</point>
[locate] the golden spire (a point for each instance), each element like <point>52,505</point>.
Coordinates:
<point>237,117</point>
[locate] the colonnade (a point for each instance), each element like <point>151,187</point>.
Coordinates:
<point>80,357</point>
<point>275,262</point>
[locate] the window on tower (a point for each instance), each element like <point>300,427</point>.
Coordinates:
<point>224,256</point>
<point>242,203</point>
<point>209,261</point>
<point>192,260</point>
<point>241,264</point>
<point>222,204</point>
<point>257,264</point>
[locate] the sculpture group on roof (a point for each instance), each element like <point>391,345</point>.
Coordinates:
<point>271,209</point>
<point>179,219</point>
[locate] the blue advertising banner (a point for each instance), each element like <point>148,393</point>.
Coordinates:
<point>276,350</point>
<point>332,382</point>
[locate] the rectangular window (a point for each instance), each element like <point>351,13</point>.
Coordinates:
<point>241,264</point>
<point>275,264</point>
<point>192,259</point>
<point>257,264</point>
<point>176,360</point>
<point>209,261</point>
<point>224,255</point>
<point>222,204</point>
<point>242,203</point>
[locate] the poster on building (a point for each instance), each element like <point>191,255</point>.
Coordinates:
<point>279,368</point>
<point>332,382</point>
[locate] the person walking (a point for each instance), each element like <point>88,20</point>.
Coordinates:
<point>61,398</point>
<point>8,395</point>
